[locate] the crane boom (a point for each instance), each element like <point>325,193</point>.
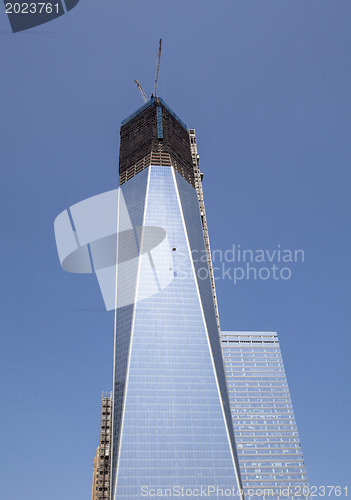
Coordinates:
<point>141,90</point>
<point>157,67</point>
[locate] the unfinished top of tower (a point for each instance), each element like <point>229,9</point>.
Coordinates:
<point>154,135</point>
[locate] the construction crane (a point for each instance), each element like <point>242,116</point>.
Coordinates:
<point>141,90</point>
<point>157,67</point>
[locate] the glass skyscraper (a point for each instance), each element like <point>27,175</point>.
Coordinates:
<point>172,425</point>
<point>268,443</point>
<point>177,402</point>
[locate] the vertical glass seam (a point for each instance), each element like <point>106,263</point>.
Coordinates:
<point>114,351</point>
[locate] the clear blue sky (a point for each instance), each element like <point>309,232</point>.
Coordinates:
<point>266,84</point>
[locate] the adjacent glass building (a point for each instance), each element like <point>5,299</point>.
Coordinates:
<point>172,425</point>
<point>268,443</point>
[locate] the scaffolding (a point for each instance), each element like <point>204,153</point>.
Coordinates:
<point>198,186</point>
<point>102,462</point>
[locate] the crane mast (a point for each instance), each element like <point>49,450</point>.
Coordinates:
<point>157,67</point>
<point>141,90</point>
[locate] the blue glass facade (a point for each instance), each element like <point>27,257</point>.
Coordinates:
<point>130,216</point>
<point>268,443</point>
<point>172,427</point>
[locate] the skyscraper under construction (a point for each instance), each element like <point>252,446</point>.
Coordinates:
<point>172,431</point>
<point>172,423</point>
